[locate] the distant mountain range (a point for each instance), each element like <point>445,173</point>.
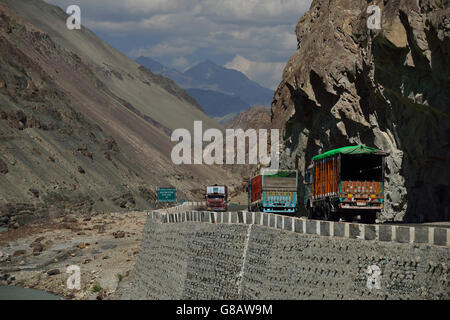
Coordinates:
<point>217,104</point>
<point>220,91</point>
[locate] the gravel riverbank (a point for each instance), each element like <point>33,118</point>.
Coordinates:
<point>104,246</point>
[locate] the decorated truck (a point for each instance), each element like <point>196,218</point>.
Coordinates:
<point>216,198</point>
<point>273,191</point>
<point>344,183</point>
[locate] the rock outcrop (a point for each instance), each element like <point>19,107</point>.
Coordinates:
<point>388,88</point>
<point>257,117</point>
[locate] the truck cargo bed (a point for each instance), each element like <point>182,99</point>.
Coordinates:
<point>274,192</point>
<point>278,183</point>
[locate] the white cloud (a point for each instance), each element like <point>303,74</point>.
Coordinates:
<point>179,63</point>
<point>259,30</point>
<point>262,11</point>
<point>265,11</point>
<point>267,74</point>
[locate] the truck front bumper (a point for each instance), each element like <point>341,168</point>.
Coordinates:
<point>279,210</point>
<point>216,209</point>
<point>355,207</point>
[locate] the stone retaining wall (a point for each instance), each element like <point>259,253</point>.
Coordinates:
<point>244,255</point>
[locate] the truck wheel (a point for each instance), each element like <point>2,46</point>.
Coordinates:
<point>330,215</point>
<point>369,218</point>
<point>310,211</point>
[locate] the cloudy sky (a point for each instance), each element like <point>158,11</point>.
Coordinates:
<point>255,37</point>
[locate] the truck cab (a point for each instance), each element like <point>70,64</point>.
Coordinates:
<point>308,182</point>
<point>216,198</point>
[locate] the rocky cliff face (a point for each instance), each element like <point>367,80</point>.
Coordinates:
<point>388,88</point>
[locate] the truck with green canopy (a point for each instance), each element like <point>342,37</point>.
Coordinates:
<point>344,183</point>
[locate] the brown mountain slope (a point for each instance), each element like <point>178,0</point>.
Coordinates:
<point>124,77</point>
<point>387,88</point>
<point>257,117</point>
<point>69,140</point>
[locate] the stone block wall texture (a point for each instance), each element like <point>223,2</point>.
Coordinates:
<point>297,260</point>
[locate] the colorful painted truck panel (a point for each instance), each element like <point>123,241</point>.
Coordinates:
<point>274,191</point>
<point>345,182</point>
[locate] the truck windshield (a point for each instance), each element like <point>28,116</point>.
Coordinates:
<point>361,167</point>
<point>308,176</point>
<point>215,196</point>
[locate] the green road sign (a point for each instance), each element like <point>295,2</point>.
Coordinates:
<point>167,195</point>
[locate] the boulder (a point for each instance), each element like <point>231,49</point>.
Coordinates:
<point>119,234</point>
<point>3,167</point>
<point>37,248</point>
<point>19,253</point>
<point>53,272</point>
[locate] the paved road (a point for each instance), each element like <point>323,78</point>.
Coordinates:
<point>231,208</point>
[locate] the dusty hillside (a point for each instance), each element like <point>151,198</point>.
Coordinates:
<point>124,77</point>
<point>388,88</point>
<point>70,139</point>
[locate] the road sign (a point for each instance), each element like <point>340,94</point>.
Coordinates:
<point>167,195</point>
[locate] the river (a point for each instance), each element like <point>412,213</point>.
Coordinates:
<point>19,293</point>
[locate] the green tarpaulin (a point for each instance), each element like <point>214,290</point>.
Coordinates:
<point>280,173</point>
<point>359,149</point>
